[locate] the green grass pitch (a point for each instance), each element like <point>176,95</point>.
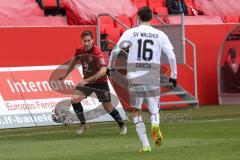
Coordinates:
<point>212,134</point>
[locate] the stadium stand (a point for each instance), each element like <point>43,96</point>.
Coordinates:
<point>78,15</point>
<point>195,20</point>
<point>26,13</point>
<point>218,7</point>
<point>86,12</point>
<point>23,8</point>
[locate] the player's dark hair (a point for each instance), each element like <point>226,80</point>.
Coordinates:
<point>87,33</point>
<point>145,14</point>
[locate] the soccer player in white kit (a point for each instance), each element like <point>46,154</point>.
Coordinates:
<point>143,72</point>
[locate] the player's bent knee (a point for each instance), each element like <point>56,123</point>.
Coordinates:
<point>108,106</point>
<point>136,112</point>
<point>76,99</point>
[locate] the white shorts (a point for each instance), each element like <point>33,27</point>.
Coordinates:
<point>148,94</point>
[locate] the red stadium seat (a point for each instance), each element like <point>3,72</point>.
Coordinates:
<point>156,3</point>
<point>125,20</point>
<point>154,22</point>
<point>106,23</point>
<point>139,3</point>
<point>161,3</point>
<point>109,37</point>
<point>113,35</point>
<point>50,3</point>
<point>160,10</point>
<point>189,2</point>
<point>52,7</point>
<point>157,6</point>
<point>134,20</point>
<point>164,3</point>
<point>105,27</point>
<point>106,20</point>
<point>231,19</point>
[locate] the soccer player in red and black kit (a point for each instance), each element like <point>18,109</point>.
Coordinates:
<point>94,80</point>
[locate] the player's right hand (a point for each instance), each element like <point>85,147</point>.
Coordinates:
<point>110,71</point>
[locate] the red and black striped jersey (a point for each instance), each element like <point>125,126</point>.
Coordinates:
<point>91,62</point>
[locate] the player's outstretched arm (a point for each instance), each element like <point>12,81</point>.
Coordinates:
<point>118,48</point>
<point>115,51</point>
<point>70,67</point>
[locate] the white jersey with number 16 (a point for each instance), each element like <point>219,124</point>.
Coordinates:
<point>143,63</point>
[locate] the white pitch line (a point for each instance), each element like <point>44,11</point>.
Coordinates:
<point>67,131</point>
<point>215,120</point>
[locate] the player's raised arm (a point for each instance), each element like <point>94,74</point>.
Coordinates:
<point>123,41</point>
<point>115,51</point>
<point>70,67</point>
<point>168,50</point>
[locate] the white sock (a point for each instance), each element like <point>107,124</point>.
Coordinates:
<point>141,130</point>
<point>155,119</point>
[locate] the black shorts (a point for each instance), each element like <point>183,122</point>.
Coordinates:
<point>101,89</point>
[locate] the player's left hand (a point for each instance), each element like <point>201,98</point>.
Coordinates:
<point>82,83</point>
<point>173,81</point>
<point>110,71</point>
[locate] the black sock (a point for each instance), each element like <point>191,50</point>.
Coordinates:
<point>115,114</point>
<point>78,109</point>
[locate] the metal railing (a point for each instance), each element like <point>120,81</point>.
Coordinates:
<point>194,68</point>
<point>99,29</point>
<point>184,39</point>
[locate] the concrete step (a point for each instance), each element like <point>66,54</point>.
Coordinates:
<point>190,102</point>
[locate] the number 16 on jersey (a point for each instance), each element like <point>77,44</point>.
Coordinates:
<point>145,53</point>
